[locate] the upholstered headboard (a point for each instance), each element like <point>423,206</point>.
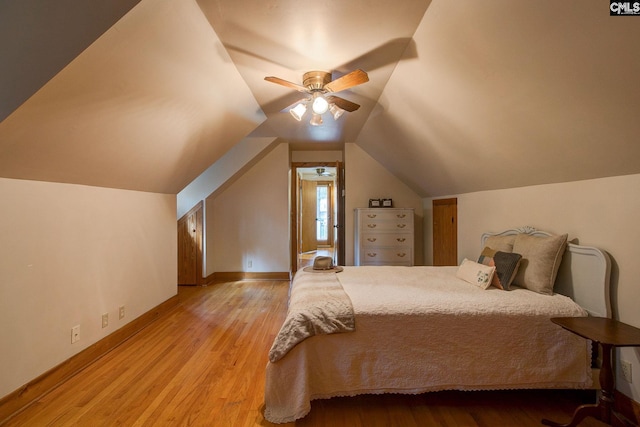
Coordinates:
<point>583,276</point>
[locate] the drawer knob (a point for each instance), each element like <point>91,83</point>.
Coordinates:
<point>371,254</point>
<point>372,215</point>
<point>371,239</point>
<point>401,225</point>
<point>401,239</point>
<point>371,225</point>
<point>401,215</point>
<point>401,254</point>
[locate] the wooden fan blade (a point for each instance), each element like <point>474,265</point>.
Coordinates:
<point>343,103</point>
<point>286,83</point>
<point>354,78</point>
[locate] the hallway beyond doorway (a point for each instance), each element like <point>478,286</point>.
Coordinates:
<point>306,259</point>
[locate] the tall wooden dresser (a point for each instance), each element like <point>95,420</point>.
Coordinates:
<point>384,236</point>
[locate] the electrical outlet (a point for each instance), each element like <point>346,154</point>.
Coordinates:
<point>626,370</point>
<point>250,263</point>
<point>105,320</point>
<point>75,334</point>
<point>121,312</point>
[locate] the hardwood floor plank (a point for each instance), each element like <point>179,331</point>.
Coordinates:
<point>203,364</point>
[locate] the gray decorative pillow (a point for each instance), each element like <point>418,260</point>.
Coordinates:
<point>541,257</point>
<point>506,266</point>
<point>501,243</point>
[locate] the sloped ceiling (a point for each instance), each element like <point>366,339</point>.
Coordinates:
<point>37,39</point>
<point>463,96</point>
<point>504,94</point>
<point>287,38</point>
<point>148,106</point>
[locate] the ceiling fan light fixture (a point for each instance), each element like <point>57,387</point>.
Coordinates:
<point>298,111</point>
<point>320,104</point>
<point>319,89</point>
<point>316,120</point>
<point>335,111</point>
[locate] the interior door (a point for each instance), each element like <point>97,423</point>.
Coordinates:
<point>308,211</point>
<point>445,232</point>
<point>190,247</point>
<point>324,213</point>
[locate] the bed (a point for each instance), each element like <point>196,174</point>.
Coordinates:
<point>421,329</point>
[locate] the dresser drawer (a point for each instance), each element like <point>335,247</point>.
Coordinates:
<point>386,225</point>
<point>387,256</point>
<point>386,215</point>
<point>388,239</point>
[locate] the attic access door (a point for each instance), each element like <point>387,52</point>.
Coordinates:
<point>190,247</point>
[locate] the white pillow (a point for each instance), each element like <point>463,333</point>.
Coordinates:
<point>476,274</point>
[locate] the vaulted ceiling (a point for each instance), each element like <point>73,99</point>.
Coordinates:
<point>463,96</point>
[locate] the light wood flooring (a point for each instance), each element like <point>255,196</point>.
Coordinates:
<point>203,364</point>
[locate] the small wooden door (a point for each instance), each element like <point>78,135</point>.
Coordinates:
<point>445,232</point>
<point>190,247</point>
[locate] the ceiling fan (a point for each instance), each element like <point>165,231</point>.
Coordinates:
<point>317,85</point>
<point>323,172</point>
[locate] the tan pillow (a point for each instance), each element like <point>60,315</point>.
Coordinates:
<point>501,243</point>
<point>541,257</point>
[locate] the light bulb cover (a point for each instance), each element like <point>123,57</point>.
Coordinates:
<point>298,111</point>
<point>320,104</point>
<point>335,111</point>
<point>316,120</point>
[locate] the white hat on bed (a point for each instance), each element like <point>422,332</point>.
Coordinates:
<point>323,264</point>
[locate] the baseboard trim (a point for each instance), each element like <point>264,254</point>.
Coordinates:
<point>234,276</point>
<point>20,399</point>
<point>627,407</point>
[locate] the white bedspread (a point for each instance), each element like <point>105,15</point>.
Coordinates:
<point>422,329</point>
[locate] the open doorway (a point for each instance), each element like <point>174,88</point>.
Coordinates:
<point>317,213</point>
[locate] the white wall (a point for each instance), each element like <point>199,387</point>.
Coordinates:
<point>316,156</point>
<point>68,254</point>
<point>235,160</point>
<point>249,219</point>
<point>600,212</point>
<point>366,179</point>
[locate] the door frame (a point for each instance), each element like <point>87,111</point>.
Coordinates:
<point>293,204</point>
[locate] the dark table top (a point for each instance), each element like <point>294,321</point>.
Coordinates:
<point>602,330</point>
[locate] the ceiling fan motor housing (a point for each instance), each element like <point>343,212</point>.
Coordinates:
<point>315,80</point>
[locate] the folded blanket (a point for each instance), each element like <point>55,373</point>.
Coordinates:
<point>317,305</point>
